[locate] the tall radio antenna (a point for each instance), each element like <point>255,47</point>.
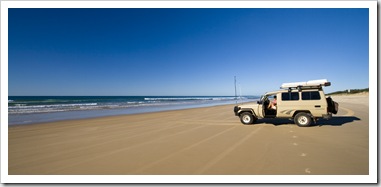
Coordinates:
<point>235,88</point>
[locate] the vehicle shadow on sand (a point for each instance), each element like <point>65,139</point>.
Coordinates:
<point>337,121</point>
<point>334,121</point>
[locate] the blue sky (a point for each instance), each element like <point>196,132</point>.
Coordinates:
<point>184,51</point>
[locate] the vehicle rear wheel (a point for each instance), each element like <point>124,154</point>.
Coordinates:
<point>302,119</point>
<point>247,118</point>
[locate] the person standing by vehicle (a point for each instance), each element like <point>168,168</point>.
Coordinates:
<point>272,104</point>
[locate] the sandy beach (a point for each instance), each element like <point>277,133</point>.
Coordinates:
<point>199,141</point>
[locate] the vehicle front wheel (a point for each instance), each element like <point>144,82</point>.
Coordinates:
<point>247,118</point>
<point>302,119</point>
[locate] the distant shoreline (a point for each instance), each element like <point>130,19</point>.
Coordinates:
<point>364,91</point>
<point>349,94</point>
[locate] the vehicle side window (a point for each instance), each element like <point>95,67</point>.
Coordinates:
<point>294,96</point>
<point>310,96</point>
<point>285,97</point>
<point>290,96</point>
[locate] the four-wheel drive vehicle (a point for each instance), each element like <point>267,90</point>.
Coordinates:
<point>300,101</point>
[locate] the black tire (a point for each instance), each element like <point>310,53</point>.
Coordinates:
<point>333,106</point>
<point>302,119</point>
<point>247,118</point>
<point>329,103</point>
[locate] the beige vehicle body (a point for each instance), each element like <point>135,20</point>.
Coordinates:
<point>301,103</point>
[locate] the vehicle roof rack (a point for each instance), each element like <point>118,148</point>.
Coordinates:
<point>306,85</point>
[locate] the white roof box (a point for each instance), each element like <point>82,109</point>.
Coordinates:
<point>312,83</point>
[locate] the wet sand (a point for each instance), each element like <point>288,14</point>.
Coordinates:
<point>198,141</point>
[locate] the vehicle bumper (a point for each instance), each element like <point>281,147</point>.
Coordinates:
<point>236,109</point>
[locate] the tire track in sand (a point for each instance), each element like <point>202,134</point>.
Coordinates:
<point>65,152</point>
<point>226,152</point>
<point>349,112</point>
<point>182,150</point>
<point>101,155</point>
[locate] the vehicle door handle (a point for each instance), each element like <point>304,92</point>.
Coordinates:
<point>317,106</point>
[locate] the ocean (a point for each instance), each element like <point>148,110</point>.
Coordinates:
<point>38,109</point>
